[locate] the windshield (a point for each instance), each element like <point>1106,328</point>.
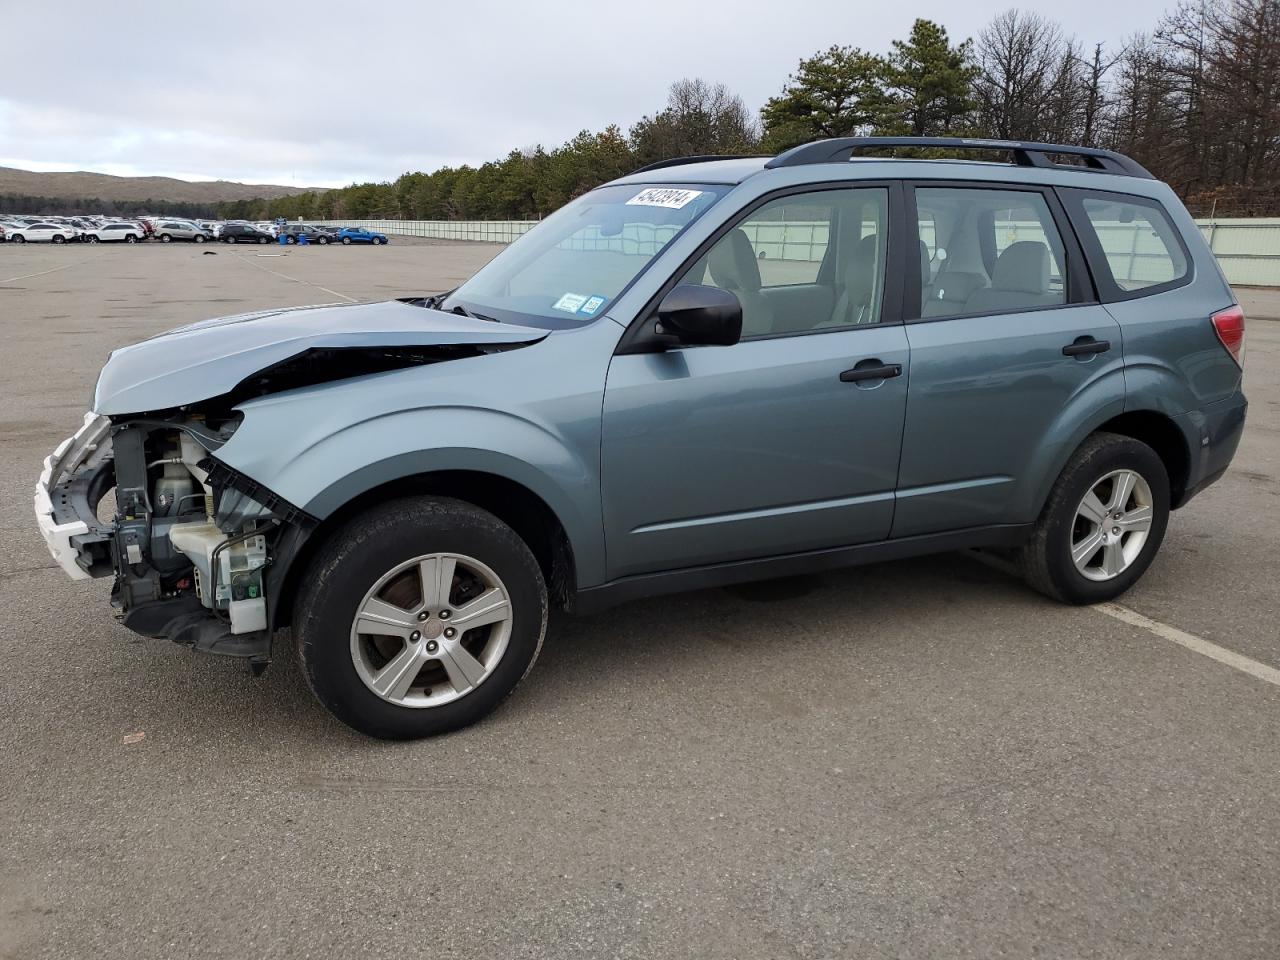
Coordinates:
<point>567,270</point>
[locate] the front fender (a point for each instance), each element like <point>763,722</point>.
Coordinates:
<point>322,473</point>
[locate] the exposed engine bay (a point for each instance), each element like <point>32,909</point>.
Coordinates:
<point>189,541</point>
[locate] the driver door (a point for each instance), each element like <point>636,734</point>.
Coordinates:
<point>773,445</point>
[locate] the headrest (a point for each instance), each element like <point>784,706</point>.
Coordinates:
<point>1024,267</point>
<point>733,263</point>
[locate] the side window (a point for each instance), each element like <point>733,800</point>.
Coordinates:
<point>989,251</point>
<point>805,262</point>
<point>1139,244</point>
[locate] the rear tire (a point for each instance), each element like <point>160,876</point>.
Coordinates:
<point>399,540</point>
<point>1081,551</point>
<point>131,238</point>
<point>165,238</point>
<point>346,241</point>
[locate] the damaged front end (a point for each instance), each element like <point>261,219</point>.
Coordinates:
<point>191,543</point>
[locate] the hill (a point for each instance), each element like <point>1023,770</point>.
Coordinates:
<point>103,186</point>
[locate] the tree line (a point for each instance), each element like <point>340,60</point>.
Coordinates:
<point>1196,100</point>
<point>71,206</point>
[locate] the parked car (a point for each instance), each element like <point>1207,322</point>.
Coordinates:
<point>349,235</point>
<point>113,232</point>
<point>43,231</point>
<point>242,233</point>
<point>313,233</point>
<point>957,354</point>
<point>169,230</point>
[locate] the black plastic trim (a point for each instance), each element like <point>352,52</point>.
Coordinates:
<point>593,599</point>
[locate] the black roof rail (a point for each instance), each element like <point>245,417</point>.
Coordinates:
<point>1024,154</point>
<point>681,161</point>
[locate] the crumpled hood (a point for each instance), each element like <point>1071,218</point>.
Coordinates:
<point>209,358</point>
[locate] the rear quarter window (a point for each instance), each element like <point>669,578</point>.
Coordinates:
<point>1136,249</point>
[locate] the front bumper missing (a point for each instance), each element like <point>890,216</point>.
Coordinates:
<point>71,481</point>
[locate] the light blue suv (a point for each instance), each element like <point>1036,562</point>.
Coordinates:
<point>707,372</point>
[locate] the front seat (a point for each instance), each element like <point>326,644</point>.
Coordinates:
<point>732,263</point>
<point>1020,279</point>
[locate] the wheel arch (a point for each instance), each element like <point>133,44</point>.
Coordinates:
<point>1154,428</point>
<point>1159,432</point>
<point>515,504</point>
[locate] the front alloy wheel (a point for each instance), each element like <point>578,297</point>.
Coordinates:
<point>419,617</point>
<point>431,630</point>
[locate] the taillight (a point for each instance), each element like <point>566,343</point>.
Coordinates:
<point>1229,325</point>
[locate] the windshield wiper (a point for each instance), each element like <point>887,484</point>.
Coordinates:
<point>464,312</point>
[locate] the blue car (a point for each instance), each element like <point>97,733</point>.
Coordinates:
<point>350,235</point>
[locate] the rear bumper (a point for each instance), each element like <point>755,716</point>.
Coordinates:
<point>1213,433</point>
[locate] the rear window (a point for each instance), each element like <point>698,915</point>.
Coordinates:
<point>1139,245</point>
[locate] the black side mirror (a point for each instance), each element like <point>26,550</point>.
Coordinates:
<point>697,315</point>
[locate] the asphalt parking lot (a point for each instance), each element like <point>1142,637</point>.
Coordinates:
<point>917,759</point>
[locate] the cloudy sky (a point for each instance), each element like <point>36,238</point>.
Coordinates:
<point>322,93</point>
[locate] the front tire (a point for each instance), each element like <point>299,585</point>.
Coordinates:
<point>1103,523</point>
<point>131,238</point>
<point>59,238</point>
<point>198,238</point>
<point>19,238</point>
<point>419,617</point>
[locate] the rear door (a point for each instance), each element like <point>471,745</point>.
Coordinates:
<point>783,442</point>
<point>1010,340</point>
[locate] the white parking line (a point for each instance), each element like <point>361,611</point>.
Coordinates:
<point>1191,642</point>
<point>285,276</point>
<point>73,263</point>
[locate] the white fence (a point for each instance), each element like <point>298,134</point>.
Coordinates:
<point>1248,249</point>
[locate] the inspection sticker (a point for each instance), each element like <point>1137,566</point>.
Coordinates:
<point>663,197</point>
<point>570,302</point>
<point>591,305</point>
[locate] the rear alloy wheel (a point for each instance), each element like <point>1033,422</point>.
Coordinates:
<point>419,617</point>
<point>165,238</point>
<point>131,238</point>
<point>1103,523</point>
<point>346,241</point>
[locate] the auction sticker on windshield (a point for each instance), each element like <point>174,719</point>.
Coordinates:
<point>570,302</point>
<point>663,197</point>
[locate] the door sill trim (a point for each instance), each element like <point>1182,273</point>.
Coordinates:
<point>624,589</point>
